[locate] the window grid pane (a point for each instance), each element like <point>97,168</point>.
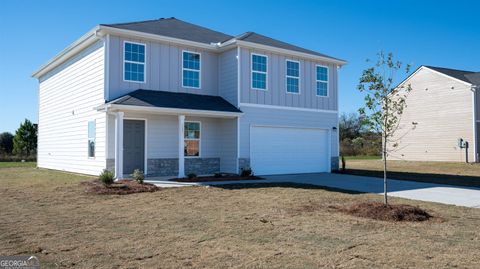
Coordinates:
<point>293,69</point>
<point>322,88</point>
<point>192,139</point>
<point>134,65</point>
<point>292,85</point>
<point>191,60</point>
<point>259,63</point>
<point>322,73</point>
<point>91,139</point>
<point>259,80</point>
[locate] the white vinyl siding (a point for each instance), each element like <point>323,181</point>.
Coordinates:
<point>67,97</point>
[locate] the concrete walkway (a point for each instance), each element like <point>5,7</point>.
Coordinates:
<point>445,194</point>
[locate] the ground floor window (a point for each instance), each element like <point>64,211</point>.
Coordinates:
<point>192,139</point>
<point>91,139</point>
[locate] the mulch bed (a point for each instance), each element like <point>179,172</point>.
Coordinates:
<point>120,187</point>
<point>378,211</point>
<point>212,178</point>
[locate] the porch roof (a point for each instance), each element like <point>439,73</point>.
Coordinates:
<point>164,101</point>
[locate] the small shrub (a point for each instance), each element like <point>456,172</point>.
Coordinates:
<point>246,172</point>
<point>106,177</point>
<point>138,175</point>
<point>192,175</point>
<point>217,175</point>
<point>343,164</point>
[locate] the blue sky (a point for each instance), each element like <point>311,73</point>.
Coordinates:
<point>438,33</point>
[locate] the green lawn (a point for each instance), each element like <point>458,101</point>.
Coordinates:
<point>17,164</point>
<point>48,214</point>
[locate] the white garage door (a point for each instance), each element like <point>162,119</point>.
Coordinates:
<point>280,150</point>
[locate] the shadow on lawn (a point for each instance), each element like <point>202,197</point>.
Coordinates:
<point>281,185</point>
<point>456,180</point>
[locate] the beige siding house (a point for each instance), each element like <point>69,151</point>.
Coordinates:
<point>442,108</point>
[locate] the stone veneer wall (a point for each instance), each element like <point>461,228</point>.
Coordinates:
<point>242,163</point>
<point>202,166</point>
<point>111,165</point>
<point>334,164</point>
<point>162,167</point>
<point>169,166</point>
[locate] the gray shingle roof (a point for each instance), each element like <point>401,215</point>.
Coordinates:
<point>458,74</point>
<point>176,28</point>
<point>149,98</point>
<point>265,40</point>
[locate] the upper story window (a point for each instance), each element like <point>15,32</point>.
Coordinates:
<point>91,139</point>
<point>134,62</point>
<point>322,80</point>
<point>259,72</point>
<point>191,69</point>
<point>293,76</point>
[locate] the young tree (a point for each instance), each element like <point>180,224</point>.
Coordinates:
<point>384,103</point>
<point>6,143</point>
<point>25,140</point>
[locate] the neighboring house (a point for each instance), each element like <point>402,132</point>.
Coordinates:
<point>443,107</point>
<point>169,97</point>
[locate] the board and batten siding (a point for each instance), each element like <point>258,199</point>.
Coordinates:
<point>276,93</point>
<point>228,76</point>
<point>67,98</point>
<point>442,109</point>
<point>285,118</point>
<point>163,69</point>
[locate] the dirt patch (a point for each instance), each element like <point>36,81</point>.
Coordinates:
<point>378,211</point>
<point>212,178</point>
<point>120,187</point>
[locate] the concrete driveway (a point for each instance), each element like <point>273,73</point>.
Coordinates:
<point>445,194</point>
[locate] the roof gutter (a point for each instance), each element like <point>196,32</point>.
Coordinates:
<point>169,111</point>
<point>154,37</point>
<point>83,42</point>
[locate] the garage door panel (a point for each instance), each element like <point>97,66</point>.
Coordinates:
<point>280,150</point>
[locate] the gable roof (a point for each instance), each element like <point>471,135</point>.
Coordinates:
<point>268,41</point>
<point>455,73</point>
<point>176,28</point>
<point>176,100</point>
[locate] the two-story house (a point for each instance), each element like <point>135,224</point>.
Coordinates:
<point>169,97</point>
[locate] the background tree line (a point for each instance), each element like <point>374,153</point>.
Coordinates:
<point>355,137</point>
<point>22,145</point>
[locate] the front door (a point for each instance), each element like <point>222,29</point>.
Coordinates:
<point>133,145</point>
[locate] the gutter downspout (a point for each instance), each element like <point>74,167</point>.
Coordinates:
<point>475,125</point>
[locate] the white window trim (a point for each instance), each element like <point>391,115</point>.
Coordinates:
<point>287,76</point>
<point>195,139</point>
<point>144,63</point>
<point>261,72</point>
<point>94,139</point>
<point>327,81</point>
<point>195,70</point>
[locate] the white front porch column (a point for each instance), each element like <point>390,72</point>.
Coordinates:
<point>119,145</point>
<point>181,146</point>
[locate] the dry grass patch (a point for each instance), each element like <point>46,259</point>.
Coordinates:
<point>259,226</point>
